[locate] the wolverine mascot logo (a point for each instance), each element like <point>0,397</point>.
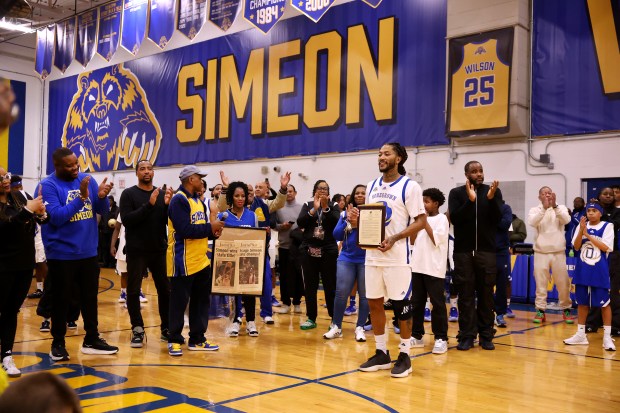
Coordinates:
<point>110,120</point>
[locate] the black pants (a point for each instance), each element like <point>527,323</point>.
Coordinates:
<point>137,264</point>
<point>84,274</point>
<point>249,303</point>
<point>14,287</point>
<point>595,320</point>
<point>474,276</point>
<point>324,266</point>
<point>291,281</point>
<point>421,286</point>
<point>196,289</point>
<point>501,281</point>
<point>44,308</point>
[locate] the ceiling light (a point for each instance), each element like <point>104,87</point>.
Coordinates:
<point>15,27</point>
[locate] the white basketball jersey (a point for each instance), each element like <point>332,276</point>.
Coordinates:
<point>403,201</point>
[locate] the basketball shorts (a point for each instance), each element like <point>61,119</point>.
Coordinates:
<point>591,296</point>
<point>388,282</point>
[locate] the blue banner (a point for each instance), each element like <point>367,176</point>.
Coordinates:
<point>314,9</point>
<point>575,82</point>
<point>110,15</point>
<point>349,83</point>
<point>86,38</point>
<point>161,22</point>
<point>65,42</point>
<point>223,13</point>
<point>192,16</point>
<point>45,51</point>
<point>373,3</point>
<point>134,24</point>
<point>264,15</point>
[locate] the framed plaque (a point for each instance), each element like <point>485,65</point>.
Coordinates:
<point>239,261</point>
<point>371,225</point>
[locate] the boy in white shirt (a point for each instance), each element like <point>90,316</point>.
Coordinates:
<point>428,264</point>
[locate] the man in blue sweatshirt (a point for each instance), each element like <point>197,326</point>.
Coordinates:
<point>70,238</point>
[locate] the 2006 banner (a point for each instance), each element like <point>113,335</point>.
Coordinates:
<point>350,82</point>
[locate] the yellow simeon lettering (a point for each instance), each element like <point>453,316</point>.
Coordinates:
<point>191,103</point>
<point>606,41</point>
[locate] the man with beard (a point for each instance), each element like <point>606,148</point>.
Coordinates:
<point>475,212</point>
<point>144,212</point>
<point>70,240</point>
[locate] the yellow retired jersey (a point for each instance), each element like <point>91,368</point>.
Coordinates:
<point>480,89</point>
<point>186,256</point>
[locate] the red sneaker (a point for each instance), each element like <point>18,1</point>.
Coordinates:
<point>568,318</point>
<point>539,317</point>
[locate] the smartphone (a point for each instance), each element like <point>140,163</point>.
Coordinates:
<point>163,188</point>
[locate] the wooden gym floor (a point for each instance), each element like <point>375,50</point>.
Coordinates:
<point>289,370</point>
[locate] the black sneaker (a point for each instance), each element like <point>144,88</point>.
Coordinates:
<point>487,344</point>
<point>137,337</point>
<point>45,326</point>
<point>402,367</point>
<point>98,346</point>
<point>72,325</point>
<point>37,294</point>
<point>380,361</point>
<point>164,335</point>
<point>59,353</point>
<point>465,344</point>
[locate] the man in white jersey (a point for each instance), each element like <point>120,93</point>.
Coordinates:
<point>388,273</point>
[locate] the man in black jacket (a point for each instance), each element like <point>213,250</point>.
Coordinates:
<point>475,213</point>
<point>144,212</point>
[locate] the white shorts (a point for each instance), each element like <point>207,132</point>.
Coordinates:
<point>121,266</point>
<point>38,247</point>
<point>388,282</point>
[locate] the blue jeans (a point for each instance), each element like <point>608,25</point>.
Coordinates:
<point>265,299</point>
<point>346,275</point>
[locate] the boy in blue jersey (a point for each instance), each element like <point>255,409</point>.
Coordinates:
<point>188,266</point>
<point>593,240</point>
<point>73,199</point>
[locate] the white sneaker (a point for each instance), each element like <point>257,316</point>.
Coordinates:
<point>268,320</point>
<point>297,309</point>
<point>415,343</point>
<point>251,329</point>
<point>285,309</point>
<point>578,339</point>
<point>234,329</point>
<point>608,343</point>
<point>143,298</point>
<point>440,347</point>
<point>334,332</point>
<point>12,371</point>
<point>360,336</point>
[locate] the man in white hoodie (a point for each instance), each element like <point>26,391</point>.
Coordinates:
<point>549,218</point>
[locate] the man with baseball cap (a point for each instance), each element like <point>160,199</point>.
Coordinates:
<point>144,213</point>
<point>188,266</point>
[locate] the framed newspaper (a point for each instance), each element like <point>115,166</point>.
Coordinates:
<point>371,225</point>
<point>239,261</point>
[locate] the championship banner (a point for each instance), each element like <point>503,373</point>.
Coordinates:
<point>86,38</point>
<point>373,3</point>
<point>12,139</point>
<point>264,14</point>
<point>45,51</point>
<point>134,24</point>
<point>223,13</point>
<point>161,22</point>
<point>65,44</point>
<point>313,9</point>
<point>349,83</point>
<point>191,18</point>
<point>575,61</point>
<point>479,83</point>
<point>110,15</point>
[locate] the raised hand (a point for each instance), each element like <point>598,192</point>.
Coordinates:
<point>546,202</point>
<point>168,195</point>
<point>317,202</point>
<point>492,190</point>
<point>285,179</point>
<point>225,180</point>
<point>583,227</point>
<point>105,187</point>
<point>154,195</point>
<point>324,201</point>
<point>36,205</point>
<point>471,192</point>
<point>353,215</point>
<point>552,200</point>
<point>84,187</point>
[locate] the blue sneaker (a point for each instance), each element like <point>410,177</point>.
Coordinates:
<point>123,297</point>
<point>427,314</point>
<point>454,315</point>
<point>396,327</point>
<point>499,321</point>
<point>368,326</point>
<point>143,298</point>
<point>174,349</point>
<point>509,313</point>
<point>204,346</point>
<point>275,302</point>
<point>350,310</point>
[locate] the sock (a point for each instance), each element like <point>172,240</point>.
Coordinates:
<point>508,302</point>
<point>607,331</point>
<point>428,303</point>
<point>40,285</point>
<point>123,290</point>
<point>453,302</point>
<point>381,342</point>
<point>581,329</point>
<point>404,346</point>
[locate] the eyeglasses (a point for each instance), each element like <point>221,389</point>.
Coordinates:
<point>322,188</point>
<point>7,176</point>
